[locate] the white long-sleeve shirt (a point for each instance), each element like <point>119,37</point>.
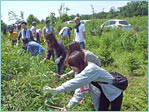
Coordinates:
<point>92,73</point>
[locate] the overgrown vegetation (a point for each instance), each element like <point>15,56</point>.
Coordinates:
<point>23,77</point>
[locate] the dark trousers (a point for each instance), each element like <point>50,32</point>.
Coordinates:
<point>38,38</point>
<point>14,42</point>
<point>105,103</point>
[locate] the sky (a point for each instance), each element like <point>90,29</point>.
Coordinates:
<point>41,9</point>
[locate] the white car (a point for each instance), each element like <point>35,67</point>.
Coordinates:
<point>69,22</point>
<point>117,23</point>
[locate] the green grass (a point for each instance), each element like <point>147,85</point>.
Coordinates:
<point>23,77</point>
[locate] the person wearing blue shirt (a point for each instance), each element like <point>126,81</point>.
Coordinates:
<point>34,48</point>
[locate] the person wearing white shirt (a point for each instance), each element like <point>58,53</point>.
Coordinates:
<point>79,33</point>
<point>65,32</point>
<point>33,29</point>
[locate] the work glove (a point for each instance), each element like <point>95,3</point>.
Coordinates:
<point>53,91</point>
<point>57,60</point>
<point>45,59</point>
<point>69,105</point>
<point>63,76</point>
<point>17,44</point>
<point>84,41</point>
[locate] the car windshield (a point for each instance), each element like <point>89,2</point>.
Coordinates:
<point>112,22</point>
<point>109,23</point>
<point>123,22</point>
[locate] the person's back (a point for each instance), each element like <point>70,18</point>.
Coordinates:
<point>48,30</point>
<point>35,48</point>
<point>92,57</point>
<point>13,36</point>
<point>64,32</point>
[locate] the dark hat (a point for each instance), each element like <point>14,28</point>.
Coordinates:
<point>47,21</point>
<point>23,23</point>
<point>11,30</point>
<point>33,23</point>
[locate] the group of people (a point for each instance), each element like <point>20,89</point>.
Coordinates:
<point>84,64</point>
<point>88,73</point>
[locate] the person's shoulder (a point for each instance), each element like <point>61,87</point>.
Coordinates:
<point>60,43</point>
<point>15,33</point>
<point>82,25</point>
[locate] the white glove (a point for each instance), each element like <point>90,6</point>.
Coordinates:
<point>17,44</point>
<point>63,76</point>
<point>69,105</point>
<point>53,91</point>
<point>84,41</point>
<point>57,60</point>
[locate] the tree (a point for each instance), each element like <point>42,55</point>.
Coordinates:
<point>22,15</point>
<point>132,63</point>
<point>32,18</point>
<point>93,12</point>
<point>42,21</point>
<point>3,25</point>
<point>13,16</point>
<point>64,18</point>
<point>134,8</point>
<point>112,13</point>
<point>52,18</point>
<point>63,10</point>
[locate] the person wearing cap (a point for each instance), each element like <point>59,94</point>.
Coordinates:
<point>48,29</point>
<point>64,32</point>
<point>24,33</point>
<point>13,36</point>
<point>79,33</point>
<point>33,29</point>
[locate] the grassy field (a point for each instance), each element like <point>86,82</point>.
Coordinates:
<point>23,77</point>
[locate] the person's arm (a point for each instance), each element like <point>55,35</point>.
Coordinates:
<point>19,36</point>
<point>44,33</point>
<point>9,37</point>
<point>77,97</point>
<point>84,32</point>
<point>31,36</point>
<point>53,32</point>
<point>92,57</point>
<point>74,36</point>
<point>80,80</point>
<point>34,33</point>
<point>68,74</point>
<point>84,35</point>
<point>62,56</point>
<point>49,53</point>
